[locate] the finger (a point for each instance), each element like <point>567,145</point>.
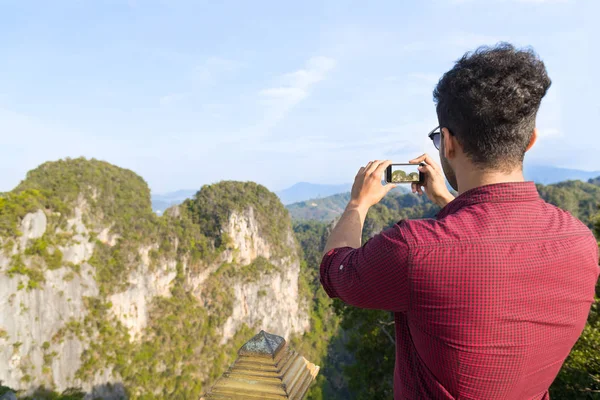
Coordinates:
<point>426,158</point>
<point>382,166</point>
<point>428,169</point>
<point>420,190</point>
<point>372,167</point>
<point>413,186</point>
<point>418,159</point>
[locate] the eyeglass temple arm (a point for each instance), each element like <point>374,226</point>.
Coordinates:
<point>430,134</point>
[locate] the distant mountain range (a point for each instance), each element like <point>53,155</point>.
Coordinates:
<point>303,191</point>
<point>160,202</point>
<point>548,175</point>
<point>580,198</point>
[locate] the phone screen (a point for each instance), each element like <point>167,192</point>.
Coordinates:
<point>403,173</point>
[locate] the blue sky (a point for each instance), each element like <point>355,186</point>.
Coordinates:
<point>190,92</point>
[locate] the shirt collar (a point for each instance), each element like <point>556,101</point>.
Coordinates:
<point>513,192</point>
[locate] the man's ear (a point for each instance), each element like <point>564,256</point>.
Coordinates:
<point>533,139</point>
<point>449,144</point>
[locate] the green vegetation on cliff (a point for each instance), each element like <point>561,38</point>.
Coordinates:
<point>112,193</point>
<point>213,204</point>
<point>14,206</point>
<point>179,354</point>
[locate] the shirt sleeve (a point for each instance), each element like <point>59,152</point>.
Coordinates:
<point>372,276</point>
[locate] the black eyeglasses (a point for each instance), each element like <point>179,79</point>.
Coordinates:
<point>436,136</point>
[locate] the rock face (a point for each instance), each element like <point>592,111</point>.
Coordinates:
<point>33,226</point>
<point>30,318</point>
<point>41,340</point>
<point>270,301</point>
<point>131,307</point>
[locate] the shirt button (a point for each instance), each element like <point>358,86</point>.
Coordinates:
<point>341,267</point>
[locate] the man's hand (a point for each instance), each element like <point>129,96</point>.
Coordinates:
<point>367,189</point>
<point>434,183</point>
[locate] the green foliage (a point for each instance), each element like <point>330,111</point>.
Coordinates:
<point>212,206</point>
<point>372,344</point>
<point>394,206</point>
<point>581,199</point>
<point>33,272</point>
<point>42,393</point>
<point>325,209</point>
<point>111,265</point>
<point>320,343</point>
<point>179,347</point>
<point>114,194</point>
<point>42,247</point>
<point>4,389</point>
<point>248,273</point>
<point>14,206</point>
<point>579,377</point>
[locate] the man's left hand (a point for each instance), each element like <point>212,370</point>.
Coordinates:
<point>367,189</point>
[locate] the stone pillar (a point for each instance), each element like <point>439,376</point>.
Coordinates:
<point>266,368</point>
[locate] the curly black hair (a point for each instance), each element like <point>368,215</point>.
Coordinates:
<point>489,101</point>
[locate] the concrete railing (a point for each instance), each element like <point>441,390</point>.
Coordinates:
<point>266,368</point>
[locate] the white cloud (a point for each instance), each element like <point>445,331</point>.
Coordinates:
<point>292,89</point>
<point>295,85</point>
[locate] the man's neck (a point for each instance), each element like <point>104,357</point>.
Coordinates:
<point>471,178</point>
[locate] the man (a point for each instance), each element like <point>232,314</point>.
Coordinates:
<point>490,296</point>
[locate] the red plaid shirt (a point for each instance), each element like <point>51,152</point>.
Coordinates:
<point>489,298</point>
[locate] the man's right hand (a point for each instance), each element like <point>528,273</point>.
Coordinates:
<point>434,184</point>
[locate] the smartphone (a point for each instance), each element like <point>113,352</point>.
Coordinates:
<point>403,173</point>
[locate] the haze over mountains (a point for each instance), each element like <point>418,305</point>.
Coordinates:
<point>303,191</point>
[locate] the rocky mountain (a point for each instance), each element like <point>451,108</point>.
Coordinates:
<point>100,293</point>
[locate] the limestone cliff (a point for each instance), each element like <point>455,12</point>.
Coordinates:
<point>98,292</point>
